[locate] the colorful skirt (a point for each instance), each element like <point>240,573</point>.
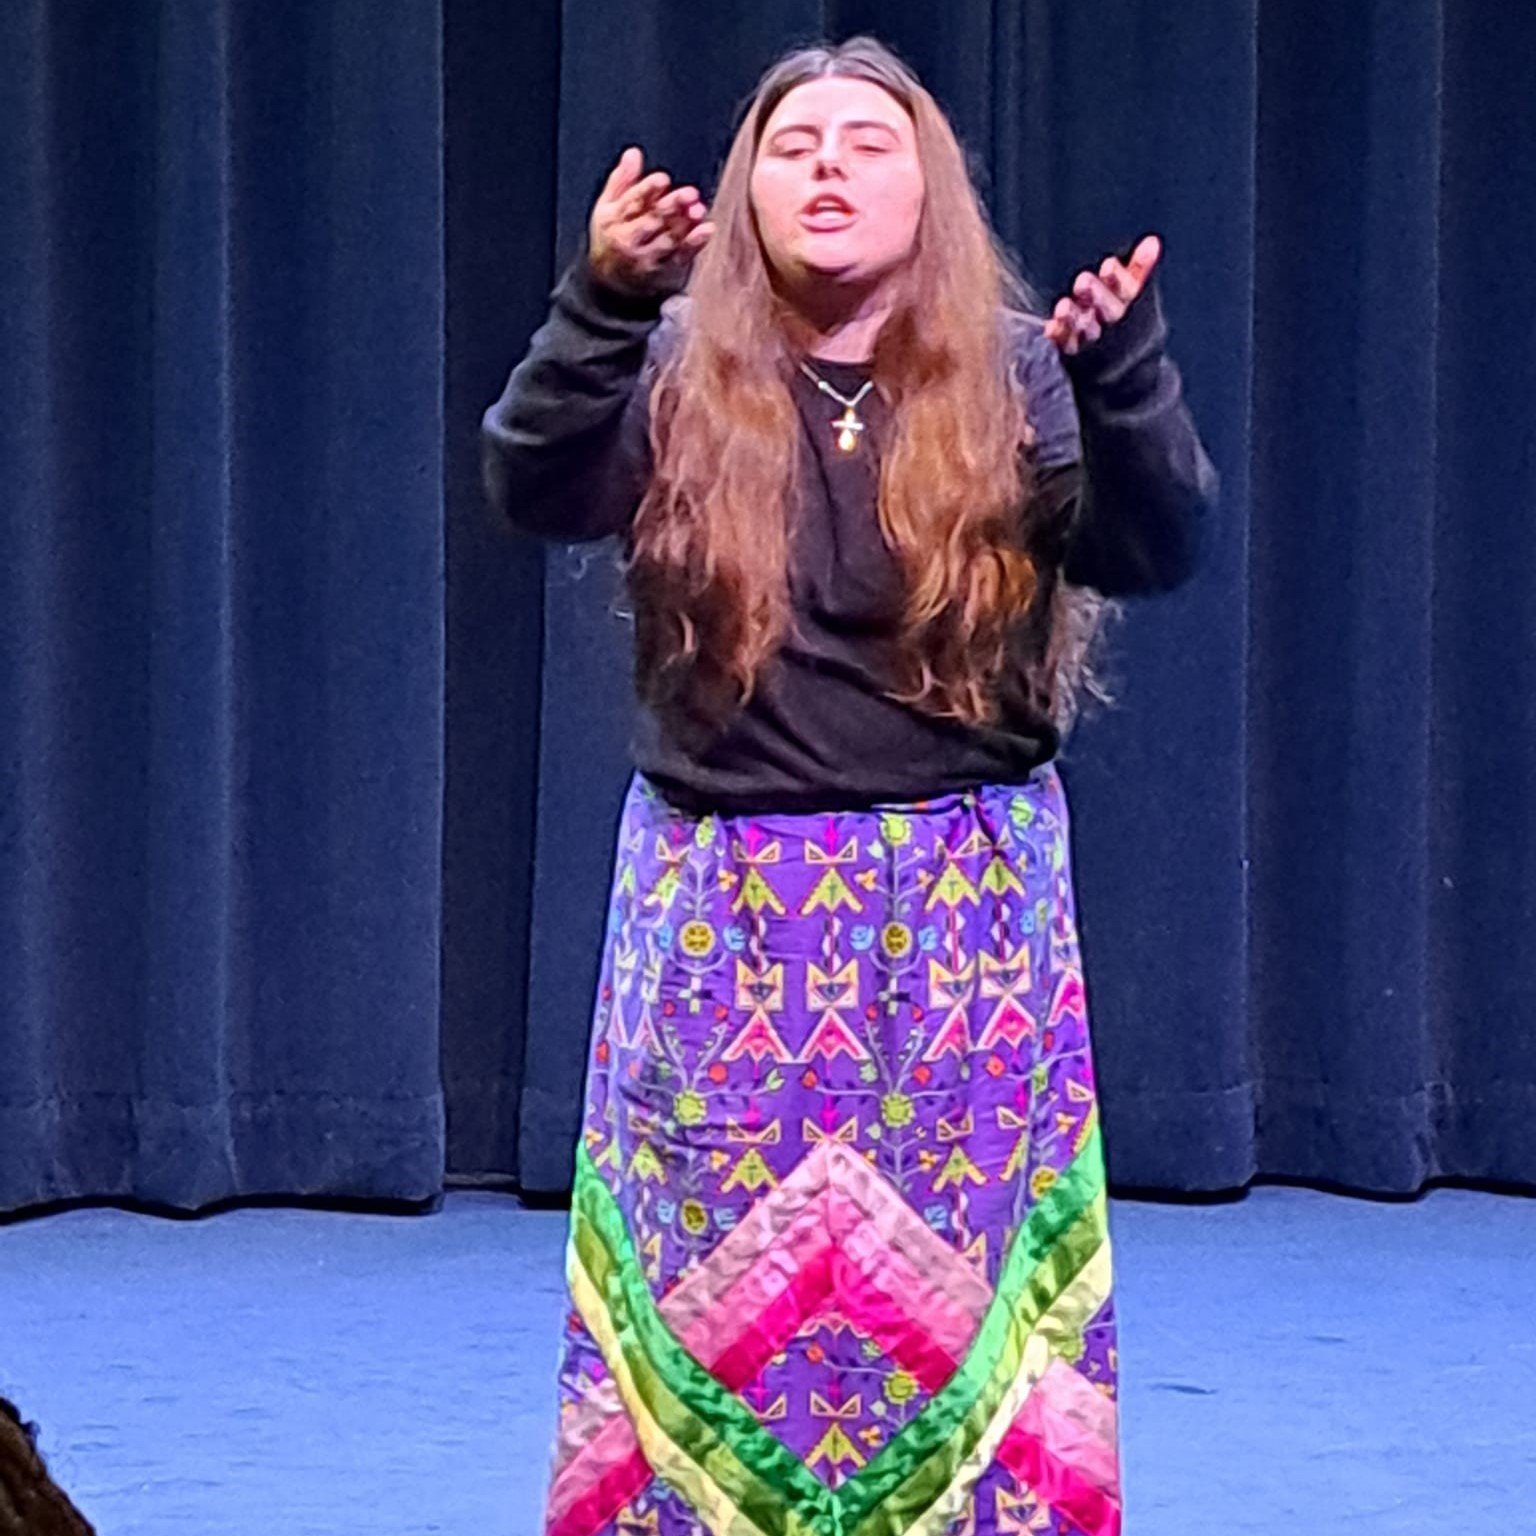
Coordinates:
<point>839,1260</point>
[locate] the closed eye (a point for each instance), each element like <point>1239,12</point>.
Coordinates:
<point>792,144</point>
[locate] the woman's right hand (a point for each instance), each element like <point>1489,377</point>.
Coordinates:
<point>644,234</point>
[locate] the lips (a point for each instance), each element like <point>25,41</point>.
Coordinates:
<point>827,211</point>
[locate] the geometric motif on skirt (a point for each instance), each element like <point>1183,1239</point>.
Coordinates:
<point>839,1260</point>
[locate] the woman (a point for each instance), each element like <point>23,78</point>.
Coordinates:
<point>839,1260</point>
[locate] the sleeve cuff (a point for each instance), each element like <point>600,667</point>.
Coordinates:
<point>1136,337</point>
<point>583,289</point>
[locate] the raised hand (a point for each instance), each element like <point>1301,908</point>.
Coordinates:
<point>1100,299</point>
<point>644,234</point>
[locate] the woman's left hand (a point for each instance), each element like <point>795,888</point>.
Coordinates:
<point>1100,299</point>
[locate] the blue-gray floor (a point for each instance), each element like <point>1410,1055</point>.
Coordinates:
<point>1294,1362</point>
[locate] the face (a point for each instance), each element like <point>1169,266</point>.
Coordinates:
<point>837,186</point>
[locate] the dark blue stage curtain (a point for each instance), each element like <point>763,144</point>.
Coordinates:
<point>1306,836</point>
<point>304,848</point>
<point>221,577</point>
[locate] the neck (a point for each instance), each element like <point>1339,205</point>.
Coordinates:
<point>838,323</point>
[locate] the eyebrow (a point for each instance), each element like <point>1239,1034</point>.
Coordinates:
<point>861,123</point>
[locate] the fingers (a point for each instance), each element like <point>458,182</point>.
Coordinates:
<point>677,249</point>
<point>638,198</point>
<point>642,232</point>
<point>671,219</point>
<point>1094,294</point>
<point>625,173</point>
<point>645,233</point>
<point>1144,258</point>
<point>679,211</point>
<point>1072,326</point>
<point>649,210</point>
<point>1100,299</point>
<point>1127,279</point>
<point>1117,278</point>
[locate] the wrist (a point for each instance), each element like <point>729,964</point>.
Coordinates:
<point>611,295</point>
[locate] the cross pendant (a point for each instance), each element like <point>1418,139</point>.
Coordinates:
<point>848,428</point>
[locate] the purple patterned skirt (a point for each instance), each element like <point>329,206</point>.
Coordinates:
<point>839,1261</point>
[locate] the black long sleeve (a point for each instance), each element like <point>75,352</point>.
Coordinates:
<point>565,450</point>
<point>1148,486</point>
<point>1124,483</point>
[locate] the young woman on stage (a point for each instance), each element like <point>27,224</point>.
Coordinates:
<point>839,1259</point>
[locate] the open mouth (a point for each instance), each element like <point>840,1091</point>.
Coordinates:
<point>828,211</point>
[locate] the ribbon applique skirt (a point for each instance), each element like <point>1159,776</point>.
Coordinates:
<point>839,1261</point>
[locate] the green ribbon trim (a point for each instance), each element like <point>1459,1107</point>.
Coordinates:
<point>760,1474</point>
<point>713,1440</point>
<point>888,1495</point>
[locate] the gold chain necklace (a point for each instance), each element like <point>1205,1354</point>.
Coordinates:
<point>848,426</point>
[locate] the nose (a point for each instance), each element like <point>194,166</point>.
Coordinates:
<point>829,159</point>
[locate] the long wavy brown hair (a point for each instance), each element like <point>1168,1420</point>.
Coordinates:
<point>709,557</point>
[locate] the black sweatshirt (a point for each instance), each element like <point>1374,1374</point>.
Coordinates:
<point>1127,493</point>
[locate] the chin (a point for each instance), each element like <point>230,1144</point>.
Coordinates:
<point>842,266</point>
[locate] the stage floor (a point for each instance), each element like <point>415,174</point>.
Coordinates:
<point>1294,1361</point>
